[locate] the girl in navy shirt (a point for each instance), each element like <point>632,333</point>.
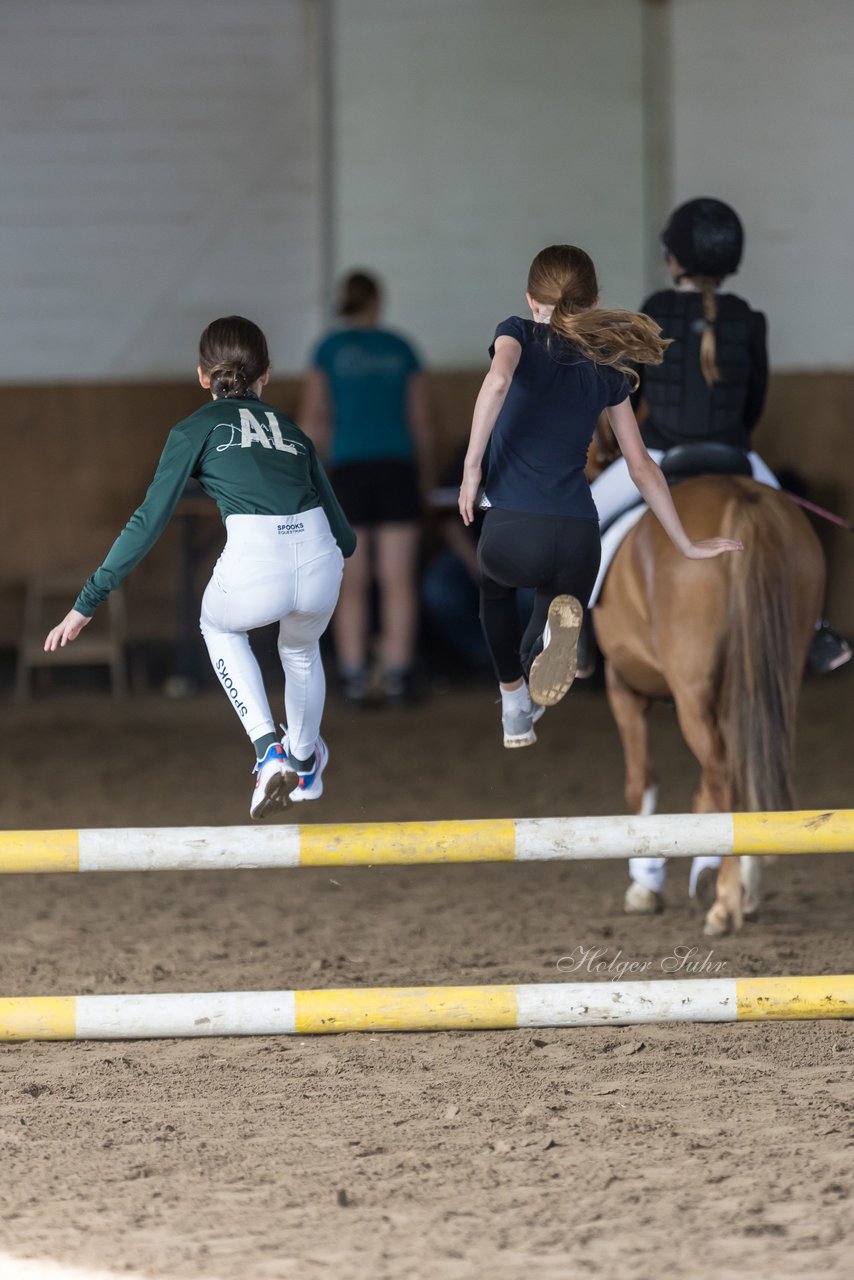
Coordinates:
<point>550,378</point>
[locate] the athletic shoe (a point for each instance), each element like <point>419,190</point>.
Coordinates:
<point>354,689</point>
<point>828,650</point>
<point>399,687</point>
<point>553,670</point>
<point>273,780</point>
<point>310,784</point>
<point>518,726</point>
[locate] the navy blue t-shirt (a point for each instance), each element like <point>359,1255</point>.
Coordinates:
<point>540,440</point>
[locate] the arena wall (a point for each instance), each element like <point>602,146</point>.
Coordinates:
<point>77,460</point>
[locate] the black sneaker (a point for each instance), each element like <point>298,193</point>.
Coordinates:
<point>354,689</point>
<point>400,687</point>
<point>827,651</point>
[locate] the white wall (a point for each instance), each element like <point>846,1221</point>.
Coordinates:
<point>468,134</point>
<point>165,161</point>
<point>763,117</point>
<point>160,167</point>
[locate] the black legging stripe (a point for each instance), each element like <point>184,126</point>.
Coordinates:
<point>556,555</point>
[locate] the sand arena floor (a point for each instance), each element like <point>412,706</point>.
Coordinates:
<point>615,1152</point>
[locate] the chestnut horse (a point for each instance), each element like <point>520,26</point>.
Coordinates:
<point>727,640</point>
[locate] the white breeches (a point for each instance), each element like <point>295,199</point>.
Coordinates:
<point>614,491</point>
<point>284,569</point>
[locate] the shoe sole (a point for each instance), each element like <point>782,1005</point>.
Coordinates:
<point>277,793</point>
<point>553,670</point>
<point>520,739</point>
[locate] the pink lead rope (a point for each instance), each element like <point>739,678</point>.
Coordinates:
<point>820,511</point>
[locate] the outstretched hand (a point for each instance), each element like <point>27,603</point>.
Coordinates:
<point>707,548</point>
<point>69,629</point>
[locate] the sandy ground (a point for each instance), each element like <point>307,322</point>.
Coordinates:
<point>690,1152</point>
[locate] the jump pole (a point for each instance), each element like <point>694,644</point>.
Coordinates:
<point>266,1013</point>
<point>409,843</point>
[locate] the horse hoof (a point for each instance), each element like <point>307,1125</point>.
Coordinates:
<point>717,922</point>
<point>642,902</point>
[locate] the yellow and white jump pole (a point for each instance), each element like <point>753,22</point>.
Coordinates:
<point>674,835</point>
<point>561,1004</point>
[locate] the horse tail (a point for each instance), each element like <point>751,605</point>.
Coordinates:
<point>761,660</point>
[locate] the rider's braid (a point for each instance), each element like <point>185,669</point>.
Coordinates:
<point>708,345</point>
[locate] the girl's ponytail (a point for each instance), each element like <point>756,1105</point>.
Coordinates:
<point>708,344</point>
<point>564,277</point>
<point>620,339</point>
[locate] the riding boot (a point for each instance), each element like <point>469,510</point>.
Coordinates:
<point>828,650</point>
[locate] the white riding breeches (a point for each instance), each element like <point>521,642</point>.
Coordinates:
<point>614,491</point>
<point>284,569</point>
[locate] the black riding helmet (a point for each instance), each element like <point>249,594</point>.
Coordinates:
<point>706,238</point>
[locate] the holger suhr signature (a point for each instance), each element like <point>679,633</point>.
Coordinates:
<point>602,961</point>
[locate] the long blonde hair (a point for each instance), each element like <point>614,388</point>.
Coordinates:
<point>564,277</point>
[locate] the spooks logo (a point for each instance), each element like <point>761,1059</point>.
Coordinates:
<point>230,688</point>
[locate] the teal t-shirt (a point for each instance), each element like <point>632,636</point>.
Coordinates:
<point>367,371</point>
<point>249,458</point>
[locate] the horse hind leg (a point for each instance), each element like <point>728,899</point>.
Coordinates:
<point>700,731</point>
<point>629,709</point>
<point>737,898</point>
<point>750,877</point>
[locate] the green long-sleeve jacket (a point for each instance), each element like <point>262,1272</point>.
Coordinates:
<point>246,456</point>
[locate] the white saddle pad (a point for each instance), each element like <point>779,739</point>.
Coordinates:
<point>611,540</point>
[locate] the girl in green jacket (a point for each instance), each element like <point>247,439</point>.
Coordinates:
<point>287,538</point>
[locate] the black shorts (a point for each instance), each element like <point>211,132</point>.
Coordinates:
<point>384,491</point>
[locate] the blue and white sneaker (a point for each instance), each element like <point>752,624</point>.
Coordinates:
<point>274,779</point>
<point>309,785</point>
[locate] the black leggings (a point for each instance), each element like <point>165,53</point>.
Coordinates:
<point>556,555</point>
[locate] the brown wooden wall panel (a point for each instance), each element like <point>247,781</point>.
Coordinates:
<point>76,460</point>
<point>808,426</point>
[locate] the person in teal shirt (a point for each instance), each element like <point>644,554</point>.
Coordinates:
<point>287,538</point>
<point>365,405</point>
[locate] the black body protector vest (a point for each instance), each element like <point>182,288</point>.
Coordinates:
<point>682,407</point>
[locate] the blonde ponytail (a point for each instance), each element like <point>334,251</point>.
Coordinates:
<point>708,343</point>
<point>620,339</point>
<point>563,276</point>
